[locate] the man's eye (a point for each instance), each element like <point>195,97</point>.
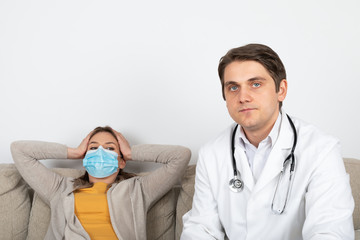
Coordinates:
<point>93,148</point>
<point>233,88</point>
<point>256,85</point>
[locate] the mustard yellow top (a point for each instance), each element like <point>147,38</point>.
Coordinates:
<point>91,208</point>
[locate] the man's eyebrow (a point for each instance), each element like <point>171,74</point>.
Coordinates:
<point>231,83</point>
<point>249,80</point>
<point>256,79</point>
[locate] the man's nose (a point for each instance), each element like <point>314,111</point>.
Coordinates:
<point>244,95</point>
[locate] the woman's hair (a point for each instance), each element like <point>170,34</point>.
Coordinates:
<point>83,181</point>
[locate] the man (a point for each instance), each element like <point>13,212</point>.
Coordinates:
<point>268,192</point>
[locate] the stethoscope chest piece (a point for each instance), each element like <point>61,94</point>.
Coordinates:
<point>236,184</point>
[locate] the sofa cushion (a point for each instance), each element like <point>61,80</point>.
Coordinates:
<point>160,221</point>
<point>14,203</point>
<point>357,234</point>
<point>353,168</point>
<point>185,198</point>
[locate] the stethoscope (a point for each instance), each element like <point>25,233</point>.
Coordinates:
<point>236,184</point>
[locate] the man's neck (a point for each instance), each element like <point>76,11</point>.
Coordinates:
<point>256,136</point>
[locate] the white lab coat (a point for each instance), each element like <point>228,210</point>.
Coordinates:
<point>320,205</point>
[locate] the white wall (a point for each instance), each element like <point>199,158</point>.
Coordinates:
<point>149,68</point>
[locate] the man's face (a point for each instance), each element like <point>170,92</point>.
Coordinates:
<point>251,97</point>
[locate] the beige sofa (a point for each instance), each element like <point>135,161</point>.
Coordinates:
<point>23,215</point>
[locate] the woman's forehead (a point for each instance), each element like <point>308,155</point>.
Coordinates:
<point>102,137</point>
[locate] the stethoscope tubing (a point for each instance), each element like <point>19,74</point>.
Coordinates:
<point>291,156</point>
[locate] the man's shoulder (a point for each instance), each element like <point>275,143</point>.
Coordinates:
<point>313,140</point>
<point>307,130</point>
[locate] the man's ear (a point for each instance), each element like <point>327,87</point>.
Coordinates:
<point>282,90</point>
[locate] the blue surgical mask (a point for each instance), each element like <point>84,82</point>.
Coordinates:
<point>101,163</point>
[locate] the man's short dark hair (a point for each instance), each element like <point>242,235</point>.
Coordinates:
<point>254,52</point>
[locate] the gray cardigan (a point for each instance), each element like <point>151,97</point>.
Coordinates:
<point>128,200</point>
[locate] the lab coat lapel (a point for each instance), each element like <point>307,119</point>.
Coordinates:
<point>244,168</point>
<point>281,149</point>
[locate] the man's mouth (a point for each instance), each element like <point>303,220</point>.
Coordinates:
<point>246,110</point>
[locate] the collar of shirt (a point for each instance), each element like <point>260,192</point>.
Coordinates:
<point>257,156</point>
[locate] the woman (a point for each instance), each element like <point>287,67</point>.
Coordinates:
<point>104,203</point>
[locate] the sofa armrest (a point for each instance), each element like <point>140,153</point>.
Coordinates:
<point>353,169</point>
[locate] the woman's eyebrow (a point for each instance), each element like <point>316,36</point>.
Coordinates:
<point>93,142</point>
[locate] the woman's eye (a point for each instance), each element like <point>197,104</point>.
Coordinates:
<point>110,148</point>
<point>256,85</point>
<point>93,148</point>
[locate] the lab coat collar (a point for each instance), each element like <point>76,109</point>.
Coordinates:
<point>281,149</point>
<point>244,168</point>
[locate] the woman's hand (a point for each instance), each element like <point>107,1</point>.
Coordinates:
<point>80,151</point>
<point>125,148</point>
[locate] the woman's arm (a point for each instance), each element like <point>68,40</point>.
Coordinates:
<point>44,181</point>
<point>26,155</point>
<point>160,181</point>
